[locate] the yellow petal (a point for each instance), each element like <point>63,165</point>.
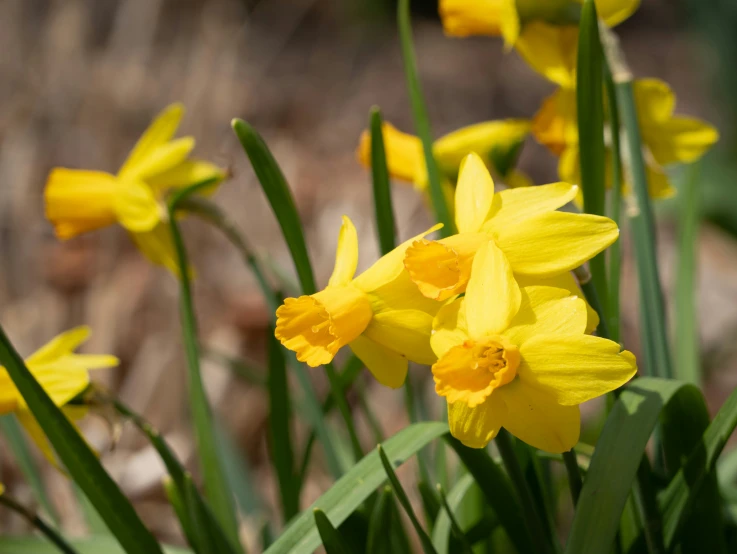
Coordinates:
<point>158,246</point>
<point>510,22</point>
<point>79,201</point>
<point>346,255</point>
<point>161,131</point>
<point>548,244</point>
<point>535,418</point>
<point>388,367</point>
<point>474,194</point>
<point>449,328</point>
<point>404,157</point>
<point>185,174</point>
<point>513,206</point>
<point>160,160</point>
<point>476,427</point>
<point>654,100</point>
<point>136,207</point>
<point>9,395</point>
<point>550,50</point>
<point>658,182</point>
<point>61,345</point>
<point>613,12</point>
<point>406,332</point>
<point>680,140</point>
<point>31,426</point>
<point>555,123</point>
<point>492,295</point>
<point>464,18</point>
<point>574,368</point>
<point>558,315</point>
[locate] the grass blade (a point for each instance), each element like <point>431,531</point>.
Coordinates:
<point>386,532</point>
<point>78,458</point>
<point>332,540</point>
<point>618,455</point>
<point>688,367</point>
<point>422,122</point>
<point>216,486</point>
<point>13,434</point>
<point>443,524</point>
<point>280,434</point>
<point>574,475</point>
<point>427,546</point>
<point>349,492</point>
<point>92,545</point>
<point>498,492</point>
<point>590,115</point>
<point>47,530</point>
<point>382,191</point>
<point>456,528</point>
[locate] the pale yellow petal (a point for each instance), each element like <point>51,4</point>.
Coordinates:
<point>346,254</point>
<point>565,315</point>
<point>492,295</point>
<point>158,246</point>
<point>388,367</point>
<point>680,140</point>
<point>551,243</point>
<point>555,123</point>
<point>476,427</point>
<point>161,131</point>
<point>136,207</point>
<point>160,160</point>
<point>654,100</point>
<point>404,157</point>
<point>464,18</point>
<point>535,418</point>
<point>613,12</point>
<point>185,174</point>
<point>474,195</point>
<point>550,50</point>
<point>511,207</point>
<point>449,328</point>
<point>79,201</point>
<point>61,345</point>
<point>406,332</point>
<point>574,368</point>
<point>658,182</point>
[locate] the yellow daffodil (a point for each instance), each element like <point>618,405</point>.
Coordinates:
<point>379,314</point>
<point>498,142</point>
<point>518,358</point>
<point>78,201</point>
<point>62,373</point>
<point>544,32</point>
<point>667,138</point>
<point>538,241</point>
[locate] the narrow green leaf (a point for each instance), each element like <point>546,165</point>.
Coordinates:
<point>619,452</point>
<point>78,458</point>
<point>216,486</point>
<point>238,473</point>
<point>574,475</point>
<point>499,493</point>
<point>93,545</point>
<point>425,540</point>
<point>643,229</point>
<point>590,116</point>
<point>382,191</point>
<point>95,524</point>
<point>421,120</point>
<point>280,433</point>
<point>688,367</point>
<point>443,524</point>
<point>280,198</point>
<point>349,492</point>
<point>532,471</point>
<point>53,536</point>
<point>683,422</point>
<point>13,434</point>
<point>678,499</point>
<point>386,532</point>
<point>332,540</point>
<point>456,528</point>
<point>178,503</point>
<point>430,503</point>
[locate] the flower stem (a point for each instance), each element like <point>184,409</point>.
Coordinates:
<point>38,523</point>
<point>504,443</point>
<point>574,475</point>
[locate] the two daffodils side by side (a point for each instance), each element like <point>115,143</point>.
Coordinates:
<point>493,309</point>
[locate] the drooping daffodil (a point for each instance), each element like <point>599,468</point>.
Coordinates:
<point>498,143</point>
<point>518,358</point>
<point>667,138</point>
<point>62,373</point>
<point>544,32</point>
<point>380,314</point>
<point>538,241</point>
<point>79,201</point>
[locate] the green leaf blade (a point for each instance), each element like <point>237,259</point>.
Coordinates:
<point>383,208</point>
<point>332,540</point>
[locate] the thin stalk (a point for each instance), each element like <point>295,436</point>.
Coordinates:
<point>454,526</point>
<point>33,519</point>
<point>514,470</point>
<point>574,475</point>
<point>345,411</point>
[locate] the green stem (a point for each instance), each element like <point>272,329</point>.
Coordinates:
<point>339,396</point>
<point>574,475</point>
<point>38,523</point>
<point>455,527</point>
<point>514,470</point>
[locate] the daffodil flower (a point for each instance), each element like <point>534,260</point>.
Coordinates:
<point>518,358</point>
<point>544,32</point>
<point>62,373</point>
<point>498,142</point>
<point>79,201</point>
<point>379,314</point>
<point>667,138</point>
<point>538,241</point>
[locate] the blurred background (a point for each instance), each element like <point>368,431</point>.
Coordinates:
<point>81,79</point>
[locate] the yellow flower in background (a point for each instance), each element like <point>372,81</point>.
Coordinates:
<point>380,314</point>
<point>538,241</point>
<point>498,143</point>
<point>667,138</point>
<point>79,201</point>
<point>544,32</point>
<point>62,373</point>
<point>518,358</point>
